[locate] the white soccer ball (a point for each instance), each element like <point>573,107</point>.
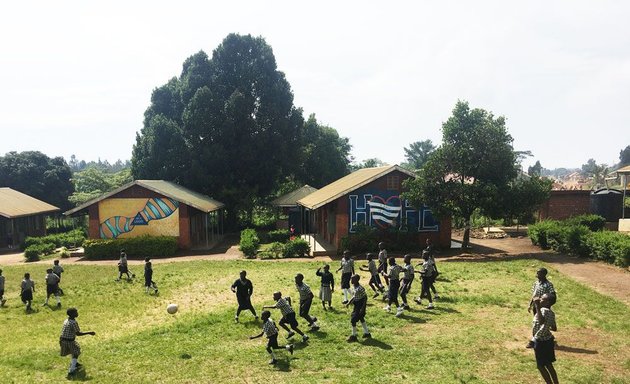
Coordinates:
<point>171,308</point>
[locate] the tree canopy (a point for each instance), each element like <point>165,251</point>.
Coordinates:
<point>474,163</point>
<point>624,156</point>
<point>93,182</point>
<point>417,153</point>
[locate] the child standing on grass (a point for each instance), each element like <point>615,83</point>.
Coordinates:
<point>359,299</point>
<point>347,270</point>
<point>542,339</point>
<point>2,300</point>
<point>270,330</point>
<point>243,288</point>
<point>408,276</point>
<point>306,299</point>
<point>52,287</point>
<point>67,341</point>
<point>427,273</point>
<point>394,285</point>
<point>430,250</point>
<point>58,270</point>
<point>375,280</point>
<point>148,276</point>
<point>122,266</point>
<point>26,291</point>
<point>288,315</point>
<point>327,286</point>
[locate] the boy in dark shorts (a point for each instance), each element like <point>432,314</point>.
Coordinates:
<point>427,272</point>
<point>58,270</point>
<point>2,300</point>
<point>67,341</point>
<point>270,330</point>
<point>122,266</point>
<point>52,287</point>
<point>542,339</point>
<point>306,299</point>
<point>408,276</point>
<point>394,285</point>
<point>430,250</point>
<point>359,299</point>
<point>327,286</point>
<point>288,315</point>
<point>26,291</point>
<point>375,280</point>
<point>347,270</point>
<point>243,288</point>
<point>148,276</point>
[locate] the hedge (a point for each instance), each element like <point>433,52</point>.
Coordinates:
<point>278,235</point>
<point>74,238</point>
<point>249,242</point>
<point>142,246</point>
<point>294,248</point>
<point>366,239</point>
<point>36,251</point>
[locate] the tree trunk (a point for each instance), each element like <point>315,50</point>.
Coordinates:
<point>466,240</point>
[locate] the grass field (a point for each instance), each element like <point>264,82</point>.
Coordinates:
<point>476,334</point>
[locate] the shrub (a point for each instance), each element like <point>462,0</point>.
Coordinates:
<point>64,253</point>
<point>36,251</point>
<point>296,248</point>
<point>593,222</point>
<point>70,239</point>
<point>612,247</point>
<point>249,242</point>
<point>279,235</point>
<point>142,246</point>
<point>538,232</point>
<point>273,251</point>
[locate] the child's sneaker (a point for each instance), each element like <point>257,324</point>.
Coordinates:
<point>315,328</point>
<point>290,335</point>
<point>430,306</point>
<point>314,319</point>
<point>236,319</point>
<point>305,338</point>
<point>417,300</point>
<point>399,312</point>
<point>387,308</point>
<point>58,305</point>
<point>352,339</point>
<point>290,348</point>
<point>436,296</point>
<point>367,335</point>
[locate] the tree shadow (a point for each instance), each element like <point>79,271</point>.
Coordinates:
<point>376,343</point>
<point>566,348</point>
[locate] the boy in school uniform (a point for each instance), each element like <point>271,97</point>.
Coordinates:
<point>347,270</point>
<point>67,341</point>
<point>375,280</point>
<point>288,315</point>
<point>427,272</point>
<point>430,250</point>
<point>52,287</point>
<point>2,299</point>
<point>542,339</point>
<point>405,286</point>
<point>270,330</point>
<point>26,291</point>
<point>327,285</point>
<point>243,288</point>
<point>394,285</point>
<point>58,270</point>
<point>148,276</point>
<point>359,299</point>
<point>122,266</point>
<point>306,299</point>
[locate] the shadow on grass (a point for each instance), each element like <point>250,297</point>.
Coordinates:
<point>318,334</point>
<point>80,376</point>
<point>284,365</point>
<point>376,343</point>
<point>566,348</point>
<point>412,319</point>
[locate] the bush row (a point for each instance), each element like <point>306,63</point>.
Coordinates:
<point>582,236</point>
<point>35,251</point>
<point>293,248</point>
<point>135,247</point>
<point>366,239</point>
<point>278,235</point>
<point>249,242</point>
<point>74,238</point>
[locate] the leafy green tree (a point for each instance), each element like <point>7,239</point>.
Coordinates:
<point>595,171</point>
<point>367,163</point>
<point>521,198</point>
<point>37,175</point>
<point>417,153</point>
<point>474,163</point>
<point>93,182</point>
<point>624,156</point>
<point>226,127</point>
<point>535,170</point>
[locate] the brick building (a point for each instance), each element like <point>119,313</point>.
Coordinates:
<point>563,204</point>
<point>20,216</point>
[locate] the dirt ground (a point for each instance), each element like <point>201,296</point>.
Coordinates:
<point>602,277</point>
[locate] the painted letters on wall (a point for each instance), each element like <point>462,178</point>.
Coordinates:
<point>136,217</point>
<point>385,209</point>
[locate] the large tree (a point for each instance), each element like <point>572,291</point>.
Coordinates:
<point>37,175</point>
<point>474,163</point>
<point>624,156</point>
<point>226,127</point>
<point>418,153</point>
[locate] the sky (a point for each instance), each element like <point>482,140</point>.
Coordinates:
<point>77,76</point>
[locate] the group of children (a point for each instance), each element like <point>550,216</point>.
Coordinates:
<point>123,269</point>
<point>27,287</point>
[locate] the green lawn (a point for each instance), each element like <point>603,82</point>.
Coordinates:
<point>476,334</point>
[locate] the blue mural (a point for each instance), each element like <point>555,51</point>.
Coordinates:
<point>385,209</point>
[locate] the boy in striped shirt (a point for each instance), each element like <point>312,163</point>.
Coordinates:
<point>58,270</point>
<point>347,270</point>
<point>427,273</point>
<point>52,287</point>
<point>359,299</point>
<point>394,285</point>
<point>408,276</point>
<point>270,330</point>
<point>288,315</point>
<point>67,342</point>
<point>26,291</point>
<point>375,280</point>
<point>306,299</point>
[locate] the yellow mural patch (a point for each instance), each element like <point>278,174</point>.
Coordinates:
<point>136,217</point>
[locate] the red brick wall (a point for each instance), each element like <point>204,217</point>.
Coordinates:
<point>564,204</point>
<point>184,241</point>
<point>94,223</point>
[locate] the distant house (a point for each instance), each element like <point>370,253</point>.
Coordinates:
<point>370,196</point>
<point>20,216</point>
<point>287,206</point>
<point>155,207</point>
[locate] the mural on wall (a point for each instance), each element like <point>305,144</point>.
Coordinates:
<point>385,209</point>
<point>133,217</point>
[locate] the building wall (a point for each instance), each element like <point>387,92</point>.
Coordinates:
<point>564,204</point>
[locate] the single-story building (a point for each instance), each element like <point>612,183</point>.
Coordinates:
<point>371,197</point>
<point>158,208</point>
<point>20,216</point>
<point>287,209</point>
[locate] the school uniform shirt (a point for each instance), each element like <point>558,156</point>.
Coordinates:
<point>269,328</point>
<point>148,270</point>
<point>328,278</point>
<point>372,267</point>
<point>304,291</point>
<point>283,305</point>
<point>69,329</point>
<point>123,261</point>
<point>382,256</point>
<point>57,269</point>
<point>52,279</point>
<point>347,265</point>
<point>428,268</point>
<point>27,285</point>
<point>359,293</point>
<point>408,272</point>
<point>542,331</point>
<point>394,271</point>
<point>244,288</point>
<point>539,289</point>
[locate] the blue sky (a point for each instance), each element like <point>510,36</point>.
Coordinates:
<point>77,76</point>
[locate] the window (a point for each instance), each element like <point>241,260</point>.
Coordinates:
<point>393,183</point>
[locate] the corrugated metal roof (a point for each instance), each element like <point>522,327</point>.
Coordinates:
<point>291,198</point>
<point>15,204</point>
<point>624,171</point>
<point>166,188</point>
<point>347,184</point>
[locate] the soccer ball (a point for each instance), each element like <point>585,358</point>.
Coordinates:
<point>171,308</point>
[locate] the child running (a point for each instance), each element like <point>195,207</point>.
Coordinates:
<point>26,291</point>
<point>430,250</point>
<point>2,299</point>
<point>359,299</point>
<point>288,315</point>
<point>270,330</point>
<point>58,270</point>
<point>243,288</point>
<point>306,299</point>
<point>52,287</point>
<point>67,342</point>
<point>394,285</point>
<point>542,339</point>
<point>347,270</point>
<point>148,277</point>
<point>408,276</point>
<point>375,280</point>
<point>427,272</point>
<point>327,286</point>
